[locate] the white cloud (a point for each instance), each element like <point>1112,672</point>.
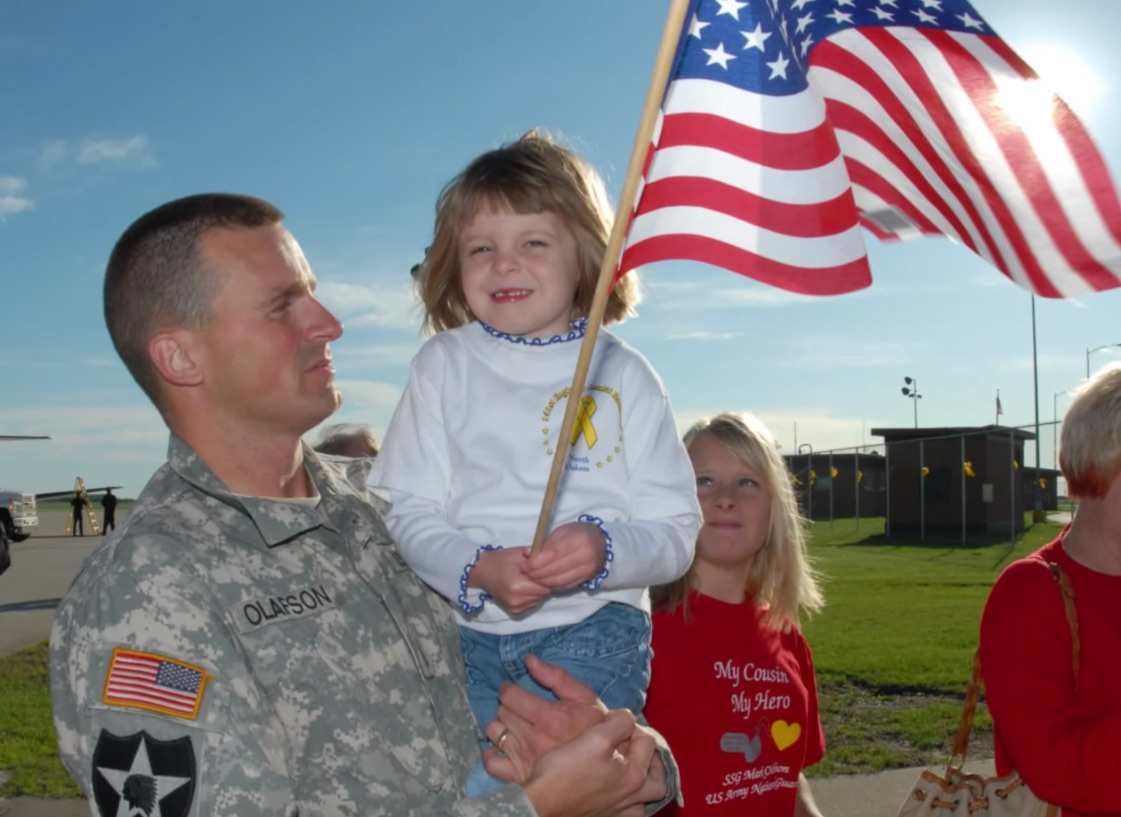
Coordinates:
<point>372,305</point>
<point>10,205</point>
<point>703,336</point>
<point>130,150</point>
<point>372,395</point>
<point>817,426</point>
<point>93,151</point>
<point>84,425</point>
<point>838,353</point>
<point>731,292</point>
<point>373,355</point>
<point>10,185</point>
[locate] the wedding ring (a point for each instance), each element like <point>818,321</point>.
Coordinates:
<point>501,739</point>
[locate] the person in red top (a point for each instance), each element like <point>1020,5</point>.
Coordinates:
<point>732,684</point>
<point>1062,733</point>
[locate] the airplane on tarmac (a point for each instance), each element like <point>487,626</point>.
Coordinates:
<point>18,514</point>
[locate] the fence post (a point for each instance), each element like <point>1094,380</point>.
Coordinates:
<point>856,485</point>
<point>810,479</point>
<point>831,478</point>
<point>887,486</point>
<point>963,484</point>
<point>922,492</point>
<point>1012,480</point>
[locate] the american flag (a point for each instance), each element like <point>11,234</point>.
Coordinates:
<point>154,682</point>
<point>999,407</point>
<point>788,124</point>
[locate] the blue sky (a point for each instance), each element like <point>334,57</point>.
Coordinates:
<point>351,116</point>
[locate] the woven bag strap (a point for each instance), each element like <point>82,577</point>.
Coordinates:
<point>973,691</point>
<point>1067,590</point>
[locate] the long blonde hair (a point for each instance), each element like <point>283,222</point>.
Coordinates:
<point>782,579</point>
<point>531,175</point>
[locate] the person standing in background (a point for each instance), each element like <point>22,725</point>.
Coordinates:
<point>109,503</point>
<point>79,504</point>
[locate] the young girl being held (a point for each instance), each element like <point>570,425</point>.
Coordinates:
<point>506,286</point>
<point>733,688</point>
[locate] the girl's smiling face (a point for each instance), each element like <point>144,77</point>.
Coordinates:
<point>519,272</point>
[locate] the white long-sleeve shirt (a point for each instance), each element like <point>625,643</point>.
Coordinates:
<point>466,461</point>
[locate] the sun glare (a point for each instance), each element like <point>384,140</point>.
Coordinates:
<point>1067,74</point>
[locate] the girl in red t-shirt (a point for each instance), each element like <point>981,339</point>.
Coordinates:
<point>732,686</point>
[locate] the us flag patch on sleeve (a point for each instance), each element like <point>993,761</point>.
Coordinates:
<point>157,683</point>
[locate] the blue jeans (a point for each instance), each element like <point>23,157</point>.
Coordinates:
<point>609,651</point>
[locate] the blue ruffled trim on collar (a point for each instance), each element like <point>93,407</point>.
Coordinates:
<point>578,328</point>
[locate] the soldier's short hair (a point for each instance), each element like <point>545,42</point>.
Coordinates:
<point>156,278</point>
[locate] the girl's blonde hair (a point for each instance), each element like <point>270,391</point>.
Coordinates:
<point>1090,446</point>
<point>782,578</point>
<point>530,175</point>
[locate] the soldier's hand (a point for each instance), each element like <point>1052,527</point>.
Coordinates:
<point>602,773</point>
<point>535,724</point>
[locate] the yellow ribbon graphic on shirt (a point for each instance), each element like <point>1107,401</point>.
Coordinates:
<point>584,421</point>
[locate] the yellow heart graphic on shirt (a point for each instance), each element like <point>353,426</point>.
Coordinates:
<point>785,734</point>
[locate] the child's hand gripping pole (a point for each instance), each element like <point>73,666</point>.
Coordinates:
<point>666,52</point>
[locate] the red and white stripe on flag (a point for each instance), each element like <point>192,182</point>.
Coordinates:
<point>752,183</point>
<point>953,134</point>
<point>143,680</point>
<point>783,129</point>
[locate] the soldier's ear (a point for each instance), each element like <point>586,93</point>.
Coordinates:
<point>175,356</point>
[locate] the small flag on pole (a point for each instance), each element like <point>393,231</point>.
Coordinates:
<point>999,407</point>
<point>785,128</point>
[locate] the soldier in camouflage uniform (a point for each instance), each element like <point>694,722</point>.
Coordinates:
<point>249,642</point>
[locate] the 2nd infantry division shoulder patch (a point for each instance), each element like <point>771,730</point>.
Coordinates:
<point>157,683</point>
<point>139,775</point>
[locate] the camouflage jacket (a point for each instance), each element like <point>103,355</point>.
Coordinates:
<point>227,655</point>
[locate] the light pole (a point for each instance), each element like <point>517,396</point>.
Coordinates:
<point>1055,430</point>
<point>913,393</point>
<point>809,480</point>
<point>1096,349</point>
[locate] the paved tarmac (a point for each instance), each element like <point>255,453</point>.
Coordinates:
<point>42,569</point>
<point>44,565</point>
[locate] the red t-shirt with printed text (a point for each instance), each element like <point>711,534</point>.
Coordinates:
<point>737,703</point>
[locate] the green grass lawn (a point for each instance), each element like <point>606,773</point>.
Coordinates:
<point>27,741</point>
<point>894,646</point>
<point>893,650</point>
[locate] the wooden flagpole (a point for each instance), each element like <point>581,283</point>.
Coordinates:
<point>666,52</point>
